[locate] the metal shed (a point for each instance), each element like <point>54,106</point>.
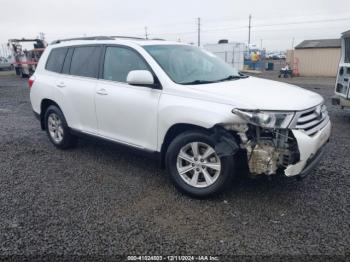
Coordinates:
<point>318,57</point>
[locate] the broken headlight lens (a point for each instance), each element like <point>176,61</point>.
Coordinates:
<point>266,119</point>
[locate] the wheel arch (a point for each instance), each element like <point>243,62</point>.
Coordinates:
<point>173,132</point>
<point>44,105</point>
<point>178,129</point>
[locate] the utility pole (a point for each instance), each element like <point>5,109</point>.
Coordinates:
<point>293,43</point>
<point>261,44</point>
<point>146,32</point>
<point>249,28</point>
<point>199,31</point>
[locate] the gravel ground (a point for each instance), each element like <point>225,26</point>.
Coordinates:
<point>98,199</point>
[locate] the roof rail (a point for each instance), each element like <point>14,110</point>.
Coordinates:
<point>97,38</point>
<point>128,37</point>
<point>83,38</point>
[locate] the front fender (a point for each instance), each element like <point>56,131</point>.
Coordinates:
<point>183,110</point>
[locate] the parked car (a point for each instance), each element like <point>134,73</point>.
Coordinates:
<point>5,64</point>
<point>195,112</point>
<point>275,56</point>
<point>282,56</point>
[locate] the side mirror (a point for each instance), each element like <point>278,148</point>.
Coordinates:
<point>140,78</point>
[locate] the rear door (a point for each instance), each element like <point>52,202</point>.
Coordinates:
<point>46,81</point>
<point>126,113</point>
<point>76,88</point>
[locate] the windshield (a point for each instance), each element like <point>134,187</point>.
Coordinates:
<point>191,65</point>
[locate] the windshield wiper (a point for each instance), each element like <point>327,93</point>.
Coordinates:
<point>201,82</point>
<point>232,77</point>
<point>198,82</point>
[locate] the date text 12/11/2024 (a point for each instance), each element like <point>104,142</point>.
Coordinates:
<point>173,258</point>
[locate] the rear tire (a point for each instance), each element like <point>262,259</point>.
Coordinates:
<point>57,128</point>
<point>207,173</point>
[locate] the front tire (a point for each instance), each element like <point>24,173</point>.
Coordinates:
<point>57,128</point>
<point>195,167</point>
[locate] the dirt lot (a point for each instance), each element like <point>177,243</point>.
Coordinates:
<point>98,199</point>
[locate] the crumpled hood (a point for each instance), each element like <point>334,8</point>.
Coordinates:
<point>257,93</point>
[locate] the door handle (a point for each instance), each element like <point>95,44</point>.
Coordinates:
<point>102,92</point>
<point>61,85</point>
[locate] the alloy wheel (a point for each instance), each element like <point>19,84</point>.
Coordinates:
<point>198,164</point>
<point>55,127</point>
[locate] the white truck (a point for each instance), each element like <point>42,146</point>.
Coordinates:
<point>26,61</point>
<point>231,52</point>
<point>342,94</point>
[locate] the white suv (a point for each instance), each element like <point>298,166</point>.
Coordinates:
<point>198,114</point>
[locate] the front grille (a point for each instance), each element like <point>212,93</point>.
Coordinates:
<point>312,120</point>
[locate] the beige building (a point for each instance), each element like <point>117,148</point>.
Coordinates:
<point>316,57</point>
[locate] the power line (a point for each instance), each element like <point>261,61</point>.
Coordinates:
<point>230,28</point>
<point>307,22</point>
<point>273,16</point>
<point>279,24</point>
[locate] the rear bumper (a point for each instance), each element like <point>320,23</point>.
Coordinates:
<point>311,149</point>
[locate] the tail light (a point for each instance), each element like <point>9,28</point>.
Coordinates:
<point>31,81</point>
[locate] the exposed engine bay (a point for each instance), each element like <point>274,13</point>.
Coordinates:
<point>268,150</point>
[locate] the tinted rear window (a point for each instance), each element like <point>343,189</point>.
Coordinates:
<point>67,61</point>
<point>85,61</point>
<point>56,58</point>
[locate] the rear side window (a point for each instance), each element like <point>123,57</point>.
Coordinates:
<point>56,58</point>
<point>85,61</point>
<point>119,61</point>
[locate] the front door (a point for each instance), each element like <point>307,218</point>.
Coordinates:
<point>125,113</point>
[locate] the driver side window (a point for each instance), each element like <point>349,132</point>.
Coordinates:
<point>119,61</point>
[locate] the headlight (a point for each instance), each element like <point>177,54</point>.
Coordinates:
<point>266,119</point>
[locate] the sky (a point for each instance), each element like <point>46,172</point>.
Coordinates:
<point>276,25</point>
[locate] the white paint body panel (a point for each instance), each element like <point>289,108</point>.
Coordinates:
<point>128,114</point>
<point>75,96</point>
<point>308,146</point>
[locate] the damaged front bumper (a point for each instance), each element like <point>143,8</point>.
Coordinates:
<point>291,152</point>
<point>311,149</point>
